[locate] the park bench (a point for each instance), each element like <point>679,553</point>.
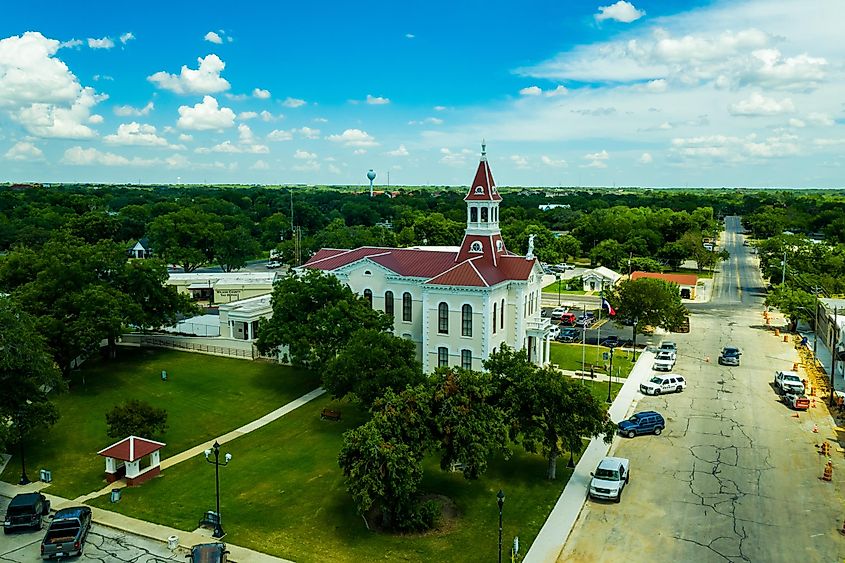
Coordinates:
<point>330,415</point>
<point>211,519</point>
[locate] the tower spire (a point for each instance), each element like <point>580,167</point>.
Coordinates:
<point>483,150</point>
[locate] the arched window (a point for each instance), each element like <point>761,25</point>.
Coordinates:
<point>479,190</point>
<point>466,359</point>
<point>475,247</point>
<point>502,315</point>
<point>494,318</point>
<point>388,303</point>
<point>368,295</point>
<point>473,214</point>
<point>368,273</point>
<point>442,357</point>
<point>483,214</point>
<point>443,318</point>
<point>466,320</point>
<point>499,245</point>
<point>406,306</point>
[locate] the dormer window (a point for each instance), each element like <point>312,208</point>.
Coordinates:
<point>493,189</point>
<point>499,245</point>
<point>475,247</point>
<point>479,190</point>
<point>368,273</point>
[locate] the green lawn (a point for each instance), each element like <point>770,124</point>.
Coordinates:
<point>552,288</point>
<point>284,494</point>
<point>568,356</point>
<point>205,396</point>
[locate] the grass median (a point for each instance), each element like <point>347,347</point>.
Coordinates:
<point>568,357</point>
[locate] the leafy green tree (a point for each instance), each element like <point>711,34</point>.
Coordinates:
<point>233,247</point>
<point>185,237</point>
<point>548,412</point>
<point>27,375</point>
<point>383,475</point>
<point>371,363</point>
<point>608,253</point>
<point>796,304</point>
<point>569,247</point>
<point>315,315</point>
<point>273,229</point>
<point>470,428</point>
<point>136,418</point>
<point>647,302</point>
<point>674,253</point>
<point>645,264</point>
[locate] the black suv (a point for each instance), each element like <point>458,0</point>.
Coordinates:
<point>26,511</point>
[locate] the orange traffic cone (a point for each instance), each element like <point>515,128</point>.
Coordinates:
<point>815,428</point>
<point>794,366</point>
<point>828,472</point>
<point>813,404</point>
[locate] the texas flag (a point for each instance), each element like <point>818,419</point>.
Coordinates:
<point>606,305</point>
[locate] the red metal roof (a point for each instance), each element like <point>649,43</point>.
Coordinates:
<point>131,448</point>
<point>680,279</point>
<point>484,180</point>
<point>464,274</point>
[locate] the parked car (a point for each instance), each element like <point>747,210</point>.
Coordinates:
<point>729,356</point>
<point>584,321</point>
<point>788,382</point>
<point>568,335</point>
<point>611,341</point>
<point>564,266</point>
<point>67,533</point>
<point>568,319</point>
<point>670,347</point>
<point>273,264</point>
<point>26,510</point>
<point>209,553</point>
<point>646,422</point>
<point>557,313</point>
<point>609,478</point>
<point>795,401</point>
<point>663,361</point>
<point>670,383</point>
<point>554,330</point>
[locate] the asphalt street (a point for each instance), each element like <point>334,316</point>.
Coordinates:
<point>735,476</point>
<point>103,545</point>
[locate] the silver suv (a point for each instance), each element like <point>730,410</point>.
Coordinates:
<point>729,356</point>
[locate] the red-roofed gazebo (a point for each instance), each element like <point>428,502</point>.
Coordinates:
<point>124,458</point>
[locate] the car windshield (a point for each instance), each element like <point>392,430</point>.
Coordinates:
<point>791,378</point>
<point>730,352</point>
<point>607,474</point>
<point>655,380</point>
<point>664,356</point>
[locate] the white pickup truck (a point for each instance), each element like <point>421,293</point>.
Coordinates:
<point>609,478</point>
<point>664,361</point>
<point>788,382</point>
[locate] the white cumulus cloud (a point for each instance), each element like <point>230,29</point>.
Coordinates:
<point>127,37</point>
<point>646,158</point>
<point>354,138</point>
<point>293,102</point>
<point>304,155</point>
<point>103,43</point>
<point>596,160</point>
<point>377,100</point>
<point>555,163</point>
<point>127,110</point>
<point>24,150</point>
<point>401,151</point>
<point>758,104</point>
<point>261,94</point>
<point>622,11</point>
<point>531,91</point>
<point>77,156</point>
<point>205,79</point>
<point>213,37</point>
<point>279,135</point>
<point>205,116</point>
<point>136,134</point>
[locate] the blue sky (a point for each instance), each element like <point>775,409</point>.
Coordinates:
<point>642,93</point>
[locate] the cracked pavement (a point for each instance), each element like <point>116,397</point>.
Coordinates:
<point>734,477</point>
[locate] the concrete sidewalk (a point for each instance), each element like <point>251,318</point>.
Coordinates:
<point>141,527</point>
<point>549,542</point>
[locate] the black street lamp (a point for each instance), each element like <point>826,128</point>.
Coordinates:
<point>24,479</point>
<point>500,499</point>
<point>215,449</point>
<point>610,375</point>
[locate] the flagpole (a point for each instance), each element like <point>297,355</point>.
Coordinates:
<point>601,308</point>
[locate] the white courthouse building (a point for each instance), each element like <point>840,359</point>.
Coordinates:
<point>457,304</point>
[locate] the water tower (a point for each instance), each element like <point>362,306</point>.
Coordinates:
<point>371,174</point>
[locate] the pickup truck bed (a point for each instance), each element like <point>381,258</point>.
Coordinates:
<point>67,533</point>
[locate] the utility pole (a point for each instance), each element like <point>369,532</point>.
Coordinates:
<point>833,346</point>
<point>783,272</point>
<point>816,323</point>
